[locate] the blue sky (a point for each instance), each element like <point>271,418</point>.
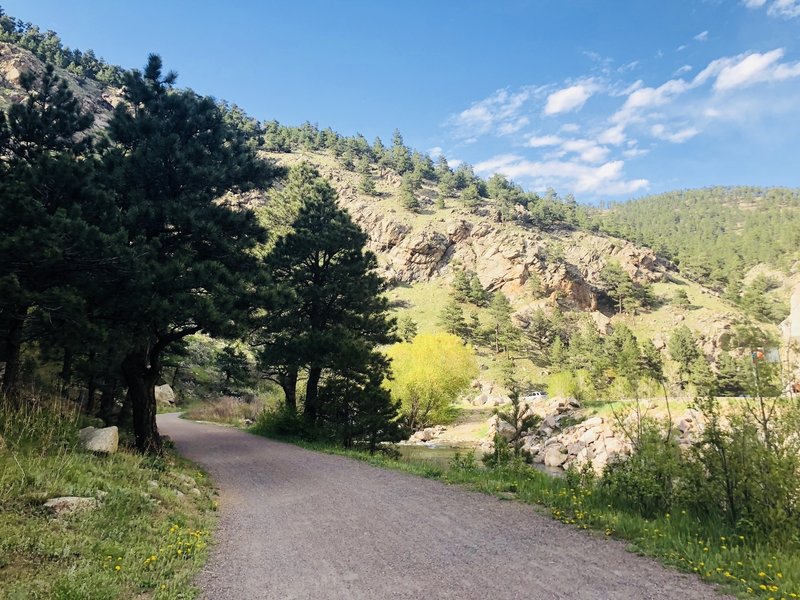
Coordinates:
<point>606,100</point>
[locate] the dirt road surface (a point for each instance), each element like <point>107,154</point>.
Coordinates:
<point>296,524</point>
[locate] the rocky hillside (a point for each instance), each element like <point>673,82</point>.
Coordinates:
<point>419,251</point>
<point>94,97</point>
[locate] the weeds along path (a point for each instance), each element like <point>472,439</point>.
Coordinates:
<point>296,524</point>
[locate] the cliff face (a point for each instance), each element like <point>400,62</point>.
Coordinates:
<point>418,248</point>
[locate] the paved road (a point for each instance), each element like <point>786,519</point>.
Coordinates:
<point>296,524</point>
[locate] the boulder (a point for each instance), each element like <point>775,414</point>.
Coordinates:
<point>67,505</point>
<point>593,422</point>
<point>554,457</point>
<point>104,440</point>
<point>165,395</point>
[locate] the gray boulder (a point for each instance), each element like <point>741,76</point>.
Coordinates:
<point>67,505</point>
<point>165,395</point>
<point>104,440</point>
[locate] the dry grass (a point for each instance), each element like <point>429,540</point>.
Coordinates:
<point>227,409</point>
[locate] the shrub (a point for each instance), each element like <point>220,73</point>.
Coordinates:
<point>648,480</point>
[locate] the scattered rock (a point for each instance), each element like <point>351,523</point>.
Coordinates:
<point>67,505</point>
<point>104,440</point>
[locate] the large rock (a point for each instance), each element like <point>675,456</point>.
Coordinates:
<point>67,505</point>
<point>104,440</point>
<point>554,457</point>
<point>165,395</point>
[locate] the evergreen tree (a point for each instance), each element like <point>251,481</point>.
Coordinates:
<point>451,319</point>
<point>55,221</point>
<point>461,284</point>
<point>406,328</point>
<point>729,376</point>
<point>408,198</point>
<point>356,406</point>
<point>619,286</point>
<point>172,155</point>
<point>558,354</point>
<point>332,314</point>
<point>504,331</point>
<point>681,299</point>
<point>477,295</point>
<point>401,156</point>
<point>470,197</point>
<point>683,350</point>
<point>702,377</point>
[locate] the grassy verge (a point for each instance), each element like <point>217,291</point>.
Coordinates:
<point>710,550</point>
<point>146,538</point>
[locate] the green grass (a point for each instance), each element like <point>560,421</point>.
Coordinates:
<point>146,540</point>
<point>708,549</point>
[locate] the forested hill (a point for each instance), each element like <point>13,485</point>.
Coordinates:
<point>714,234</point>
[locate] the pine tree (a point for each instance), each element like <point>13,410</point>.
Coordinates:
<point>451,319</point>
<point>471,198</point>
<point>406,328</point>
<point>401,156</point>
<point>477,295</point>
<point>505,333</point>
<point>357,407</point>
<point>171,156</point>
<point>408,198</point>
<point>683,350</point>
<point>460,285</point>
<point>331,314</point>
<point>54,219</point>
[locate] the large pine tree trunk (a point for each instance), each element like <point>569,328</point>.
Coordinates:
<point>312,391</point>
<point>140,376</point>
<point>13,352</point>
<point>288,382</point>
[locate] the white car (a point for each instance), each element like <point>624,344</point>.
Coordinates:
<point>534,396</point>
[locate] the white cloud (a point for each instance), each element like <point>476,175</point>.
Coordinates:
<point>613,135</point>
<point>568,99</point>
<point>682,70</point>
<point>587,150</point>
<point>510,127</point>
<point>542,141</point>
<point>499,113</point>
<point>748,69</point>
<point>676,137</point>
<point>435,152</point>
<point>635,152</point>
<point>606,179</point>
<point>570,128</point>
<point>787,9</point>
<point>702,36</point>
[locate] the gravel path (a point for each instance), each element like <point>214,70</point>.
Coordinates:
<point>296,524</point>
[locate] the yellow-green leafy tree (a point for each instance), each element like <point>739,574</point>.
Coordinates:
<point>429,373</point>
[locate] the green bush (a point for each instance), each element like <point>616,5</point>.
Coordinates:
<point>648,480</point>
